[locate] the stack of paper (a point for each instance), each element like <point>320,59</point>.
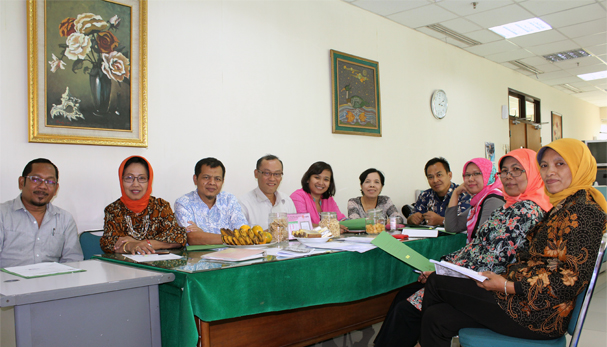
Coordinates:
<point>236,254</point>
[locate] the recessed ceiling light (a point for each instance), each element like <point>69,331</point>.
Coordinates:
<point>593,76</point>
<point>520,28</point>
<point>573,54</point>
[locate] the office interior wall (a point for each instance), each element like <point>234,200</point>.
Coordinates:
<point>239,79</point>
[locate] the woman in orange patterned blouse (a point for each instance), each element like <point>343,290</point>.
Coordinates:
<point>138,222</point>
<point>536,295</point>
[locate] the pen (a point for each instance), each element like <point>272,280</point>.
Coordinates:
<point>53,232</point>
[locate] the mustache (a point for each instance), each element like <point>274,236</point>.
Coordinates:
<point>41,192</point>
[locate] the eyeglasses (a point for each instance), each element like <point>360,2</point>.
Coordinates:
<point>131,179</point>
<point>515,172</point>
<point>474,174</point>
<point>268,174</point>
<point>37,180</point>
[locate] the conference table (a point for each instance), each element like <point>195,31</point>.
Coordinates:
<point>272,302</point>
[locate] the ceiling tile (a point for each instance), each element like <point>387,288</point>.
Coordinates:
<point>588,28</point>
<point>508,56</point>
<point>545,67</point>
<point>499,16</point>
<point>591,40</point>
<point>598,50</point>
<point>579,62</point>
<point>422,16</point>
<point>461,25</point>
<point>385,7</point>
<point>484,36</point>
<point>574,16</point>
<point>465,8</point>
<point>562,80</point>
<point>588,69</point>
<point>553,47</point>
<point>540,8</point>
<point>538,38</point>
<point>493,48</point>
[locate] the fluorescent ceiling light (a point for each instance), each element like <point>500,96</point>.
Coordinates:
<point>527,67</point>
<point>520,28</point>
<point>573,54</point>
<point>593,76</point>
<point>453,34</point>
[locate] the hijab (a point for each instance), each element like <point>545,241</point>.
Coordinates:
<point>490,186</point>
<point>136,206</point>
<point>535,185</point>
<point>583,170</point>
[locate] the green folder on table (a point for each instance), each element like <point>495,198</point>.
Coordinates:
<point>354,224</point>
<point>402,252</point>
<point>191,248</point>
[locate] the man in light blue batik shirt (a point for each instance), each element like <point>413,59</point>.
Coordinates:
<point>204,211</point>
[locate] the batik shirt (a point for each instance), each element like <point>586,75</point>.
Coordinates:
<point>496,242</point>
<point>356,209</point>
<point>556,266</point>
<point>156,222</point>
<point>226,213</point>
<point>430,201</point>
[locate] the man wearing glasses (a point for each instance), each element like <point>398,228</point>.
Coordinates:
<point>265,199</point>
<point>204,211</point>
<point>32,230</point>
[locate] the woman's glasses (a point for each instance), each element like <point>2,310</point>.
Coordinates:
<point>131,179</point>
<point>474,174</point>
<point>515,172</point>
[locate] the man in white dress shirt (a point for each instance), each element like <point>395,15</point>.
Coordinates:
<point>261,201</point>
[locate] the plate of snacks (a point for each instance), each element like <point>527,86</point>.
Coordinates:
<point>247,237</point>
<point>318,235</point>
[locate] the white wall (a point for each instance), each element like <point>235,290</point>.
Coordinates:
<point>239,79</point>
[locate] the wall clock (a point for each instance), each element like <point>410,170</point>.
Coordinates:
<point>439,104</point>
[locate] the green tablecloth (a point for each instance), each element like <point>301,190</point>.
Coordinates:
<point>283,285</point>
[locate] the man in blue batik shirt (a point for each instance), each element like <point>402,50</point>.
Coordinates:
<point>432,203</point>
<point>204,211</point>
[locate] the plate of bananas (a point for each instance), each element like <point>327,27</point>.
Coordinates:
<point>247,237</point>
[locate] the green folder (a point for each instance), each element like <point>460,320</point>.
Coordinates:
<point>192,248</point>
<point>402,252</point>
<point>354,224</point>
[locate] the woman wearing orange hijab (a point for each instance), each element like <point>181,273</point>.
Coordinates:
<point>138,222</point>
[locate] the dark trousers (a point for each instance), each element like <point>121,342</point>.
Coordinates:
<point>403,321</point>
<point>451,304</point>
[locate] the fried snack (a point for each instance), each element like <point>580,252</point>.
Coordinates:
<point>331,224</point>
<point>375,228</point>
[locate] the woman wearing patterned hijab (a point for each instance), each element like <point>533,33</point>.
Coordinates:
<point>480,181</point>
<point>536,295</point>
<point>138,222</point>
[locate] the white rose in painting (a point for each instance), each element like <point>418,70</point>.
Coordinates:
<point>87,22</point>
<point>78,45</point>
<point>56,64</point>
<point>115,66</point>
<point>115,21</point>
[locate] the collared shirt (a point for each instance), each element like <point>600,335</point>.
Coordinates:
<point>256,206</point>
<point>430,201</point>
<point>22,242</point>
<point>226,213</point>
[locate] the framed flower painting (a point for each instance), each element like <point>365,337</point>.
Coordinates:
<point>356,107</point>
<point>557,126</point>
<point>87,71</point>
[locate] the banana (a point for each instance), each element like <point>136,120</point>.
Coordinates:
<point>236,233</point>
<point>229,240</point>
<point>250,233</point>
<point>241,241</point>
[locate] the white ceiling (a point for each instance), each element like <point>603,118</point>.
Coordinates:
<point>575,24</point>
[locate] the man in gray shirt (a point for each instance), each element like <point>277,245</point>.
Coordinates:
<point>32,230</point>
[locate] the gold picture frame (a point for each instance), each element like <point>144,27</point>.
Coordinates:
<point>87,72</point>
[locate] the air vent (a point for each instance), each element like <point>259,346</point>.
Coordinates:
<point>526,67</point>
<point>568,55</point>
<point>570,88</point>
<point>452,34</point>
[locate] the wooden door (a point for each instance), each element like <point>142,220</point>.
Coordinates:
<point>518,136</point>
<point>534,140</point>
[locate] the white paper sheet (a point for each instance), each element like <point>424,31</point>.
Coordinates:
<point>41,269</point>
<point>448,269</point>
<point>151,257</point>
<point>347,246</point>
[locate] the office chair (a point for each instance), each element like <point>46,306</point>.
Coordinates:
<point>480,337</point>
<point>89,241</point>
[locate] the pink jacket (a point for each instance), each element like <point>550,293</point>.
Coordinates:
<point>304,204</point>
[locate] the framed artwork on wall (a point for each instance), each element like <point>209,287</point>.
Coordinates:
<point>557,126</point>
<point>87,72</point>
<point>356,102</point>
